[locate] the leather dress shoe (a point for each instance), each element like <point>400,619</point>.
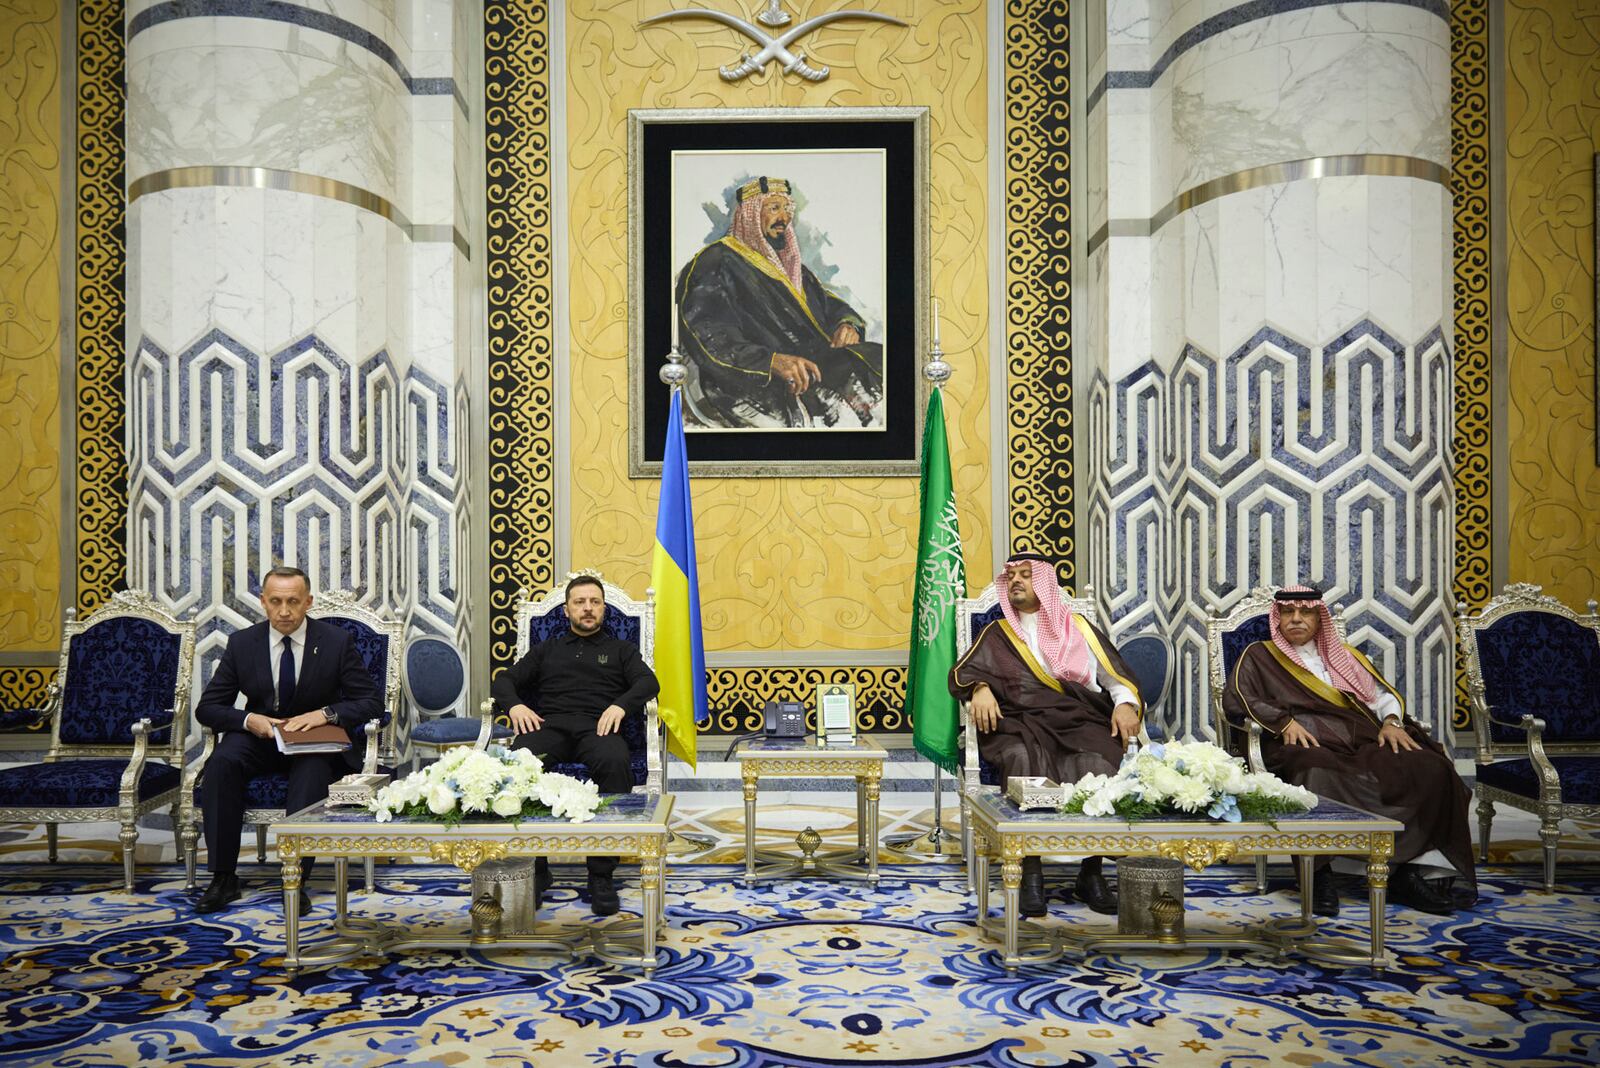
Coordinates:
<point>603,895</point>
<point>1092,889</point>
<point>1031,898</point>
<point>1407,887</point>
<point>223,891</point>
<point>543,880</point>
<point>1324,894</point>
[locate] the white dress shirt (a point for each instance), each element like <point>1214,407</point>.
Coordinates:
<point>1385,706</point>
<point>1028,629</point>
<point>297,643</point>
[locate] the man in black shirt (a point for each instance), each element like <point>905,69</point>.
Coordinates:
<point>567,698</point>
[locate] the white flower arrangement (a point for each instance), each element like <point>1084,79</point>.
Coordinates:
<point>508,783</point>
<point>1185,778</point>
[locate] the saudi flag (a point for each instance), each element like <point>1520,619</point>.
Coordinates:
<point>941,581</point>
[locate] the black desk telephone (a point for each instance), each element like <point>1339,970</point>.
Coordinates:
<point>784,719</point>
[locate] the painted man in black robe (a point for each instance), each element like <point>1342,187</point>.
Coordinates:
<point>1334,726</point>
<point>1049,696</point>
<point>769,345</point>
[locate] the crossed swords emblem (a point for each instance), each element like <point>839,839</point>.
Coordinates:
<point>773,46</point>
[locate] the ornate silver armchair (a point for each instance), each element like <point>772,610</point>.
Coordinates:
<point>1227,637</point>
<point>1533,673</point>
<point>625,618</point>
<point>119,718</point>
<point>972,615</point>
<point>378,641</point>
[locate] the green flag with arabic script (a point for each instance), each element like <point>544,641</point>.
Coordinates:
<point>941,581</point>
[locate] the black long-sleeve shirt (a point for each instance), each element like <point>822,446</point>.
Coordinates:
<point>572,673</point>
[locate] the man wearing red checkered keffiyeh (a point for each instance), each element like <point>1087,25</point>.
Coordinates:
<point>1049,696</point>
<point>1333,725</point>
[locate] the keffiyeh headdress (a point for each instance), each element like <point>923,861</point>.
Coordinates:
<point>1344,669</point>
<point>746,227</point>
<point>1066,653</point>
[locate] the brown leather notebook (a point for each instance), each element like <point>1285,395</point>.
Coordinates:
<point>330,738</point>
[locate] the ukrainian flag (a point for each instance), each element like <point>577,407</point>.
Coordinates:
<point>680,653</point>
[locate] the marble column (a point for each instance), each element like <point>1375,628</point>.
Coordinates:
<point>1270,330</point>
<point>299,287</point>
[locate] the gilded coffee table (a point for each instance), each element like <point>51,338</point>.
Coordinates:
<point>1006,834</point>
<point>802,758</point>
<point>632,825</point>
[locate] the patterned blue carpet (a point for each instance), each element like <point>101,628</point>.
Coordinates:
<point>794,974</point>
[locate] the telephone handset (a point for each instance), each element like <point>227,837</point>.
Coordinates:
<point>784,719</point>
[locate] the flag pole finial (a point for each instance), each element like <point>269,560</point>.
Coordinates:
<point>936,370</point>
<point>673,373</point>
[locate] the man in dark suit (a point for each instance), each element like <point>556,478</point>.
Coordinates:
<point>567,698</point>
<point>295,674</point>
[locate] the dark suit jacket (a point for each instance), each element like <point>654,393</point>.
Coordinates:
<point>331,676</point>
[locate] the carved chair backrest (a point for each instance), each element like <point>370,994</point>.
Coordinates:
<point>1528,654</point>
<point>380,643</point>
<point>130,659</point>
<point>433,674</point>
<point>626,618</point>
<point>1228,635</point>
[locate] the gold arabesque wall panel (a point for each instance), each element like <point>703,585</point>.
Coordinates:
<point>1469,189</point>
<point>30,326</point>
<point>101,486</point>
<point>785,564</point>
<point>1552,101</point>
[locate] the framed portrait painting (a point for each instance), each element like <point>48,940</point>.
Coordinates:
<point>783,252</point>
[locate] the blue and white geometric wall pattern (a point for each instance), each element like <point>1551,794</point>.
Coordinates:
<point>239,460</point>
<point>1281,463</point>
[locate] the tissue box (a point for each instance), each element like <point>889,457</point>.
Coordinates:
<point>1030,791</point>
<point>357,790</point>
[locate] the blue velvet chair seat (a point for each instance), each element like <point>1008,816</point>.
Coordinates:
<point>1580,778</point>
<point>454,730</point>
<point>89,783</point>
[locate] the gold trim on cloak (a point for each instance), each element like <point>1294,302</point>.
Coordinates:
<point>1050,680</point>
<point>1331,694</point>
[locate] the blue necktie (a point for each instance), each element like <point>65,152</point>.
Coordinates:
<point>286,677</point>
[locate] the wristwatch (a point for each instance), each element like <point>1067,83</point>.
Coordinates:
<point>330,715</point>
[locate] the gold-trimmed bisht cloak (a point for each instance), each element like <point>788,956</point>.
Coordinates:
<point>1048,727</point>
<point>1419,788</point>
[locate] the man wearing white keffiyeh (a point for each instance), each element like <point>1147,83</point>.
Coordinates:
<point>1050,696</point>
<point>1335,727</point>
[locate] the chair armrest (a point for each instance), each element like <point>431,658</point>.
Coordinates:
<point>128,789</point>
<point>369,763</point>
<point>163,735</point>
<point>485,724</point>
<point>191,774</point>
<point>27,719</point>
<point>655,750</point>
<point>1255,760</point>
<point>969,765</point>
<point>1549,778</point>
<point>1529,723</point>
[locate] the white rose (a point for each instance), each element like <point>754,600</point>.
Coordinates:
<point>508,804</point>
<point>441,799</point>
